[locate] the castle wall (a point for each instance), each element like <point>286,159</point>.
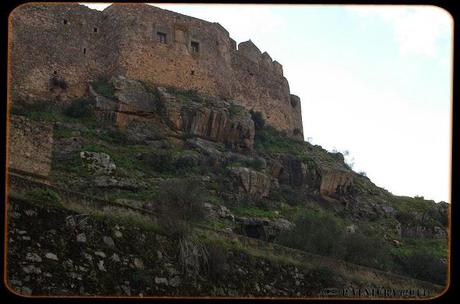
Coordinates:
<point>30,145</point>
<point>51,44</point>
<point>72,44</point>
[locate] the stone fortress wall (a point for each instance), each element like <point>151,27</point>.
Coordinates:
<point>56,49</point>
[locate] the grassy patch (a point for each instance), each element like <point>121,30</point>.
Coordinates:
<point>44,197</point>
<point>185,95</point>
<point>147,195</point>
<point>236,109</point>
<point>434,247</point>
<point>254,212</point>
<point>270,140</point>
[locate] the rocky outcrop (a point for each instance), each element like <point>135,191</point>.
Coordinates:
<point>215,121</point>
<point>335,183</point>
<point>98,162</point>
<point>133,95</point>
<point>295,172</point>
<point>251,182</point>
<point>218,211</point>
<point>261,228</point>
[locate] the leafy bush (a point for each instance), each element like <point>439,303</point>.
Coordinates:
<point>80,108</point>
<point>269,139</point>
<point>116,136</point>
<point>257,117</point>
<point>423,266</point>
<point>324,276</point>
<point>104,88</point>
<point>365,249</point>
<point>287,194</point>
<point>186,162</point>
<point>236,109</point>
<point>161,161</point>
<point>181,205</point>
<point>321,233</point>
<point>44,196</point>
<point>315,232</point>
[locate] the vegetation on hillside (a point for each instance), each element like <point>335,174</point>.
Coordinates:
<point>169,175</point>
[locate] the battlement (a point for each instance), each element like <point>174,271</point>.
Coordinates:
<point>76,45</point>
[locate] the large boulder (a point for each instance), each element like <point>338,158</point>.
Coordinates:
<point>130,100</point>
<point>212,119</point>
<point>132,95</point>
<point>252,182</point>
<point>218,211</point>
<point>261,228</point>
<point>98,163</point>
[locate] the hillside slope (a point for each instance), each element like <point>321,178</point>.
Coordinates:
<point>190,160</point>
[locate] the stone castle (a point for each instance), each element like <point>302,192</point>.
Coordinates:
<point>77,45</point>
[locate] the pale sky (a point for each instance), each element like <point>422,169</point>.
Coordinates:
<point>373,80</point>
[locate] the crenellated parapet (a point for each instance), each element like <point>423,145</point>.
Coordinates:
<point>57,49</point>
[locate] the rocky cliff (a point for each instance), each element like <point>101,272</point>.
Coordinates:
<point>155,190</point>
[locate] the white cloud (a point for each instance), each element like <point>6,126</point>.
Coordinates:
<point>417,29</point>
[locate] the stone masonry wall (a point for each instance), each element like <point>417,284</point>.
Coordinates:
<point>30,145</point>
<point>56,49</point>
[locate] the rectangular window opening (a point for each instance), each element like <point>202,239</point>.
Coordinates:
<point>161,37</point>
<point>195,47</point>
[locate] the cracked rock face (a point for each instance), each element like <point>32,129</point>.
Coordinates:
<point>212,119</point>
<point>335,183</point>
<point>252,182</point>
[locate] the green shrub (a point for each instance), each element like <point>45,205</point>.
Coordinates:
<point>235,109</point>
<point>44,196</point>
<point>423,266</point>
<point>316,232</point>
<point>268,139</point>
<point>160,161</point>
<point>185,95</point>
<point>80,108</point>
<point>104,88</point>
<point>324,277</point>
<point>365,249</point>
<point>181,205</point>
<point>287,194</point>
<point>116,136</point>
<point>259,121</point>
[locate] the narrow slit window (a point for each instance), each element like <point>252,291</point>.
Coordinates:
<point>65,21</point>
<point>161,37</point>
<point>195,47</point>
<point>95,29</point>
<point>84,50</point>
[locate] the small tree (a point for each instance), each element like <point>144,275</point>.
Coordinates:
<point>181,205</point>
